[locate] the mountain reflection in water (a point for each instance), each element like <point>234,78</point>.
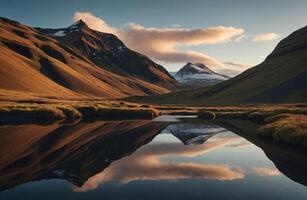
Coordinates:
<point>148,164</point>
<point>121,155</point>
<point>71,152</point>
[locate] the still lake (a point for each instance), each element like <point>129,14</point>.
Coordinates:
<point>170,157</point>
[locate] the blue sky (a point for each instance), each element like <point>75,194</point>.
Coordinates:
<point>255,17</point>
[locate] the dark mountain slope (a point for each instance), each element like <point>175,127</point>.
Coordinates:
<point>281,78</point>
<point>110,53</point>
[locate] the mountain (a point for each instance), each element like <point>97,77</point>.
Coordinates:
<point>74,62</point>
<point>198,74</point>
<point>280,78</point>
<point>110,53</point>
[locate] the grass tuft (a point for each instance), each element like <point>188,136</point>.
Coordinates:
<point>71,113</point>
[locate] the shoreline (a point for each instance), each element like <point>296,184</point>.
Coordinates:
<point>284,125</point>
<point>281,123</point>
<point>47,113</point>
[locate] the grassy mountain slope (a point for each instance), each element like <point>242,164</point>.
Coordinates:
<point>36,63</point>
<point>281,78</point>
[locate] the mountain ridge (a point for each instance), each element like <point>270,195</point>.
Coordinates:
<point>117,57</point>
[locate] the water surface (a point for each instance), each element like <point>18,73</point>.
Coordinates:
<point>166,158</point>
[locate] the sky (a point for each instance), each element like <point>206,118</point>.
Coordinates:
<point>228,36</point>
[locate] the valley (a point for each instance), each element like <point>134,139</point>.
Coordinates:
<point>68,61</point>
<point>153,100</point>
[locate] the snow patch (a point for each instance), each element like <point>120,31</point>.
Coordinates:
<point>199,77</point>
<point>120,48</point>
<point>197,67</point>
<point>59,34</point>
<point>74,27</point>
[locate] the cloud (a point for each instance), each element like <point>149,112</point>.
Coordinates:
<point>162,44</point>
<point>94,22</point>
<point>229,72</point>
<point>162,171</point>
<point>233,68</point>
<point>241,144</point>
<point>240,38</point>
<point>175,56</point>
<point>266,171</point>
<point>173,36</point>
<point>237,64</point>
<point>266,37</point>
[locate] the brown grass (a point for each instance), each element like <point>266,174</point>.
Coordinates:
<point>29,114</point>
<point>281,123</point>
<point>289,129</point>
<point>256,113</point>
<point>72,111</point>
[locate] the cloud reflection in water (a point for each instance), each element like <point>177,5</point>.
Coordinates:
<point>147,164</point>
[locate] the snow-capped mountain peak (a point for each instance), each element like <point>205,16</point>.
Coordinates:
<point>62,32</point>
<point>199,67</point>
<point>77,25</point>
<point>198,74</point>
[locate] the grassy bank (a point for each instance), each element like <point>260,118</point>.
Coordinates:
<point>73,111</point>
<point>284,123</point>
<point>288,128</point>
<point>281,123</point>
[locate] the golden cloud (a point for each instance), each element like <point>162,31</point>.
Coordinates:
<point>266,37</point>
<point>266,171</point>
<point>94,22</point>
<point>237,65</point>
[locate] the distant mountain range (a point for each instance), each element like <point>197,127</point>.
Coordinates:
<point>280,78</point>
<point>75,62</point>
<point>198,74</point>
